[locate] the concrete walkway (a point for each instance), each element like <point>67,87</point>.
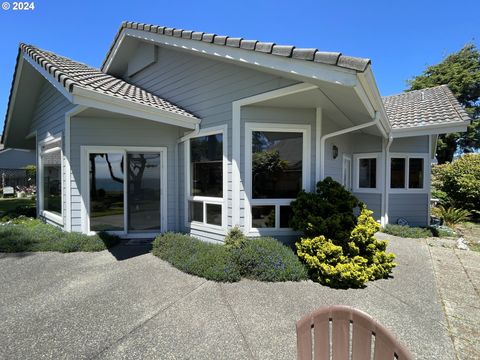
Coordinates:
<point>458,277</point>
<point>109,306</point>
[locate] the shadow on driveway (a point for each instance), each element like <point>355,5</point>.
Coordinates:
<point>128,249</point>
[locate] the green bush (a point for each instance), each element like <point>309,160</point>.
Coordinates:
<point>266,259</point>
<point>457,184</point>
<point>235,238</point>
<point>365,258</point>
<point>196,257</point>
<point>407,231</point>
<point>21,210</point>
<point>329,212</point>
<point>25,234</point>
<point>450,215</point>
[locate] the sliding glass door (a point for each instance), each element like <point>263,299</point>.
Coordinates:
<point>125,191</point>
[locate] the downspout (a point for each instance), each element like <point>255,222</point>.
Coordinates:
<point>325,137</point>
<point>384,219</point>
<point>190,134</point>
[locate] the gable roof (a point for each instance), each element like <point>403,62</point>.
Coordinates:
<point>71,74</point>
<point>426,107</point>
<point>289,51</point>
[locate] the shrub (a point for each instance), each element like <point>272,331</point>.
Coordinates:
<point>458,183</point>
<point>21,210</point>
<point>407,231</point>
<point>266,259</point>
<point>365,259</point>
<point>23,234</point>
<point>196,257</point>
<point>450,215</point>
<point>235,238</point>
<point>329,211</point>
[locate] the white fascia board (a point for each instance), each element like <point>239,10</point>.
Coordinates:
<point>16,81</point>
<point>302,70</point>
<point>111,103</point>
<point>431,129</point>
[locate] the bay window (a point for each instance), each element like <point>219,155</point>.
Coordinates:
<point>206,182</point>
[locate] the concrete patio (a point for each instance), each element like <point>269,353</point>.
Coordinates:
<point>112,305</point>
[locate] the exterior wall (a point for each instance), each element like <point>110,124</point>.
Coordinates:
<point>122,132</point>
<point>49,119</point>
<point>17,158</point>
<point>207,88</point>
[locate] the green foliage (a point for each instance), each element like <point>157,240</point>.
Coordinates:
<point>328,212</point>
<point>461,72</point>
<point>24,234</point>
<point>31,172</point>
<point>364,259</point>
<point>266,259</point>
<point>263,259</point>
<point>450,215</point>
<point>196,257</point>
<point>407,231</point>
<point>9,205</point>
<point>459,181</point>
<point>235,238</point>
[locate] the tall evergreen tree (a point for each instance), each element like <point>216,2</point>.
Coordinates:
<point>461,72</point>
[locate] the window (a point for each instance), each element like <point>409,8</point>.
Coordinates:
<point>367,173</point>
<point>276,170</point>
<point>51,180</point>
<point>206,168</point>
<point>401,178</point>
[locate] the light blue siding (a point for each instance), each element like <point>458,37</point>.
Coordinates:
<point>416,144</point>
<point>412,207</point>
<point>373,202</point>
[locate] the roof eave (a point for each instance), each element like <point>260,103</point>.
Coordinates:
<point>445,128</point>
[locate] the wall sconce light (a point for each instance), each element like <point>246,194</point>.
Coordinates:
<point>335,151</point>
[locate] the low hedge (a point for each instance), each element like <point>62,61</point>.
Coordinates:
<point>25,234</point>
<point>263,259</point>
<point>407,231</point>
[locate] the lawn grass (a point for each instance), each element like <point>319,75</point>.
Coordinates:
<point>407,231</point>
<point>10,204</point>
<point>25,234</point>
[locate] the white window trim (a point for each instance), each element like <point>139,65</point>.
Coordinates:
<point>196,225</point>
<point>346,157</point>
<point>85,186</point>
<point>356,179</point>
<point>58,219</point>
<point>250,127</point>
<point>407,157</point>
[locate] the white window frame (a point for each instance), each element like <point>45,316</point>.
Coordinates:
<point>85,186</point>
<point>356,172</point>
<point>197,225</point>
<point>407,157</point>
<point>58,219</point>
<point>347,158</point>
<point>250,127</point>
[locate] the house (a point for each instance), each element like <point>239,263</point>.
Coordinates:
<point>178,129</point>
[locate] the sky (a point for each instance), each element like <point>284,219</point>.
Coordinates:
<point>401,37</point>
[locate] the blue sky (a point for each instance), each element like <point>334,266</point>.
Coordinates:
<point>401,37</point>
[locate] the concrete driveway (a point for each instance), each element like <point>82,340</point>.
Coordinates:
<point>106,305</point>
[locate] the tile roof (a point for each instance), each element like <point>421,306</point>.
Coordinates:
<point>432,106</point>
<point>308,54</point>
<point>70,74</point>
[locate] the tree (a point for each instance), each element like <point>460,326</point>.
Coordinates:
<point>461,72</point>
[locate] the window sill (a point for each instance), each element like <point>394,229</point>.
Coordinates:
<point>57,219</point>
<point>205,227</point>
<point>255,232</point>
<point>367,191</point>
<point>408,191</point>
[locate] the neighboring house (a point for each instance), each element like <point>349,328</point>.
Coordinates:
<point>179,130</point>
<point>12,158</point>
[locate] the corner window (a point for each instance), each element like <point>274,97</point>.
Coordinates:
<point>205,203</point>
<point>367,173</point>
<point>276,169</point>
<point>406,172</point>
<point>51,179</point>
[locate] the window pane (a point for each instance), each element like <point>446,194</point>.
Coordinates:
<point>397,173</point>
<point>276,164</point>
<point>214,214</point>
<point>286,215</point>
<point>263,216</point>
<point>206,156</point>
<point>367,173</point>
<point>52,182</point>
<point>106,192</point>
<point>195,211</point>
<point>415,176</point>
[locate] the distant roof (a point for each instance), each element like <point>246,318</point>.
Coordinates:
<point>308,54</point>
<point>70,73</point>
<point>432,106</point>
